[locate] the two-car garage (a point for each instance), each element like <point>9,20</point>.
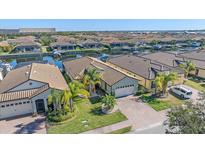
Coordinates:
<point>15,108</point>
<point>124,91</point>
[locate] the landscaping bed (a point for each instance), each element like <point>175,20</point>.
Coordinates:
<point>88,117</point>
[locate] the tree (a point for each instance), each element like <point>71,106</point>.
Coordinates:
<point>46,40</point>
<point>188,66</point>
<point>55,99</point>
<point>65,97</point>
<point>162,80</point>
<point>76,91</point>
<point>91,78</point>
<point>187,119</point>
<point>108,101</point>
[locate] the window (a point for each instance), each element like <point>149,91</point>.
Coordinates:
<point>28,102</point>
<point>30,83</point>
<point>3,106</point>
<point>7,105</point>
<point>11,104</point>
<point>20,103</point>
<point>16,104</point>
<point>24,102</point>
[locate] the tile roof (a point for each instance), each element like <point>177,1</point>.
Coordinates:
<point>22,94</point>
<point>77,67</point>
<point>40,72</point>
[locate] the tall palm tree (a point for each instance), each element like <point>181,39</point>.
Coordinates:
<point>187,67</point>
<point>54,98</point>
<point>91,78</point>
<point>162,81</point>
<point>108,101</point>
<point>76,91</point>
<point>65,97</point>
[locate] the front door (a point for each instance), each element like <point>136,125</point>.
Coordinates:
<point>40,107</point>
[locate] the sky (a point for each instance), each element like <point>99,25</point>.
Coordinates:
<point>105,24</point>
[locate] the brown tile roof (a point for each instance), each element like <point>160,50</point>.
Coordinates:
<point>198,58</point>
<point>141,66</point>
<point>49,74</point>
<point>76,68</point>
<point>25,94</point>
<point>14,78</point>
<point>163,57</point>
<point>40,72</point>
<point>198,55</point>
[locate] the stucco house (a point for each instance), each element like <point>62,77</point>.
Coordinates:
<point>112,81</point>
<point>173,60</point>
<point>143,69</point>
<point>25,90</point>
<point>63,46</point>
<point>27,47</point>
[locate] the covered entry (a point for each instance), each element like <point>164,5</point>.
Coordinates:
<point>40,107</point>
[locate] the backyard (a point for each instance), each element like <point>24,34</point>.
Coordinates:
<point>89,116</point>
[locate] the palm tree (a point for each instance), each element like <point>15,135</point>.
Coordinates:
<point>54,98</point>
<point>162,81</point>
<point>76,91</point>
<point>188,66</point>
<point>108,101</point>
<point>65,97</point>
<point>91,78</point>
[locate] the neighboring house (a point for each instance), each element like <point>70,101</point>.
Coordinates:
<point>198,58</point>
<point>63,46</point>
<point>27,47</point>
<point>25,90</point>
<point>112,81</point>
<point>173,60</point>
<point>118,44</point>
<point>91,44</point>
<point>142,69</point>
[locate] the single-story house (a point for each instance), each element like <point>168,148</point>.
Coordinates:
<point>118,44</point>
<point>25,90</point>
<point>27,47</point>
<point>63,46</point>
<point>142,69</point>
<point>173,60</point>
<point>91,44</point>
<point>112,81</point>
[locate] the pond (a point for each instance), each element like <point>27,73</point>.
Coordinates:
<point>46,59</point>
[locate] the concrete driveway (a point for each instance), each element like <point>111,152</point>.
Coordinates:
<point>139,114</point>
<point>23,125</point>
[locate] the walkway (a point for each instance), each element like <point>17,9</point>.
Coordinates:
<point>110,128</point>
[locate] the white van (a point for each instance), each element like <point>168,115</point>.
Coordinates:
<point>182,92</point>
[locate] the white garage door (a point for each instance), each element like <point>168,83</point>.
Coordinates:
<point>13,109</point>
<point>125,91</point>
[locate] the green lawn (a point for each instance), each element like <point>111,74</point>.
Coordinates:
<point>89,117</point>
<point>194,85</point>
<point>121,131</point>
<point>161,103</point>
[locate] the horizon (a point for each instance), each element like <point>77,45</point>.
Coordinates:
<point>106,24</point>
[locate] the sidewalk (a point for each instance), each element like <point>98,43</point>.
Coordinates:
<point>110,128</point>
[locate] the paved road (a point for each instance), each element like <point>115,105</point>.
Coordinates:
<point>23,125</point>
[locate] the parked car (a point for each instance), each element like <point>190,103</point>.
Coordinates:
<point>182,92</point>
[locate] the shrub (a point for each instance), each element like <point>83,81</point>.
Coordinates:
<point>59,117</point>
